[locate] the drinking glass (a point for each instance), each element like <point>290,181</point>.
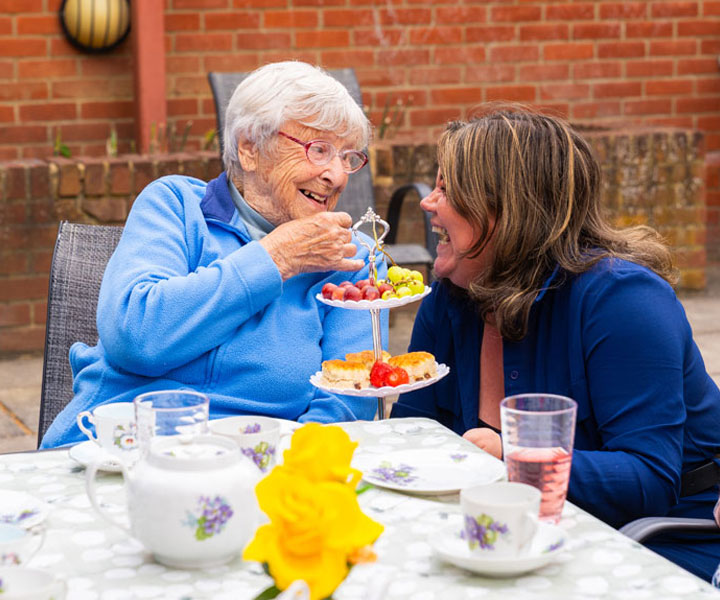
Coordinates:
<point>538,432</point>
<point>170,412</point>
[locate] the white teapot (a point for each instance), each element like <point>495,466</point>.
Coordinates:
<point>190,502</point>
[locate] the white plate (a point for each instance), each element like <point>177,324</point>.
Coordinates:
<point>549,542</point>
<point>429,471</point>
<point>318,381</point>
<point>85,453</point>
<point>20,508</point>
<point>366,304</point>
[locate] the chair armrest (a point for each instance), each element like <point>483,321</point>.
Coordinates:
<point>393,216</point>
<point>647,527</point>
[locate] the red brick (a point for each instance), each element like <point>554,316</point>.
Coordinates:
<point>110,65</point>
<point>435,116</point>
<point>460,14</point>
<point>406,16</point>
<point>623,89</point>
<point>95,177</point>
<point>673,48</point>
<point>568,51</point>
<point>665,87</point>
<point>694,66</point>
<point>698,105</point>
<point>432,76</point>
<point>208,42</point>
<point>259,3</point>
<point>597,70</point>
<point>436,35</point>
<point>570,12</point>
<point>460,95</point>
<point>23,288</point>
<point>203,4</point>
<point>341,17</point>
<point>39,312</point>
<point>21,6</point>
<point>13,214</point>
<point>317,3</point>
<point>711,8</point>
<point>337,59</point>
<point>37,25</point>
<point>709,46</point>
<point>23,91</point>
<point>490,73</point>
<point>39,179</point>
<point>708,86</point>
<point>664,8</point>
<point>182,106</point>
<point>232,20</point>
<point>596,31</point>
<point>648,68</point>
<point>403,57</point>
<point>182,21</point>
<point>33,69</point>
<point>6,26</point>
<point>322,39</point>
<point>463,55</point>
<point>22,339</point>
<point>62,47</point>
<point>648,107</point>
<point>406,97</point>
<point>380,37</point>
<point>570,91</point>
<point>48,112</point>
<point>107,110</point>
<point>648,29</point>
<point>79,88</point>
<point>263,41</point>
<point>592,110</point>
<point>494,33</point>
<point>623,10</point>
<point>82,131</point>
<point>7,69</point>
<point>14,314</point>
<point>514,93</point>
<point>13,263</point>
<point>309,56</point>
<point>145,173</point>
<point>17,47</point>
<point>7,114</point>
<point>380,77</point>
<point>544,32</point>
<point>515,14</point>
<point>524,53</point>
<point>621,50</point>
<point>107,210</point>
<point>693,28</point>
<point>22,134</point>
<point>236,61</point>
<point>706,123</point>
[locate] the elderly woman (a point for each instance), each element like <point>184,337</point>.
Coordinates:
<point>212,286</point>
<point>540,294</point>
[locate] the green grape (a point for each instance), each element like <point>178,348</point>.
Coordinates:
<point>417,276</point>
<point>387,295</point>
<point>406,274</point>
<point>403,291</point>
<point>395,274</point>
<point>416,287</point>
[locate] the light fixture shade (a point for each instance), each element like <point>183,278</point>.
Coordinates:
<point>95,25</point>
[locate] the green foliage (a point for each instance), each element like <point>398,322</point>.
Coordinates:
<point>392,116</point>
<point>59,148</point>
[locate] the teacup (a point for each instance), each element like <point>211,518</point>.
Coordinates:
<point>257,437</point>
<point>18,545</point>
<point>114,427</point>
<point>21,583</point>
<point>501,518</point>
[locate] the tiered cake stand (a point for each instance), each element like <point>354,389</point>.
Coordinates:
<point>375,306</point>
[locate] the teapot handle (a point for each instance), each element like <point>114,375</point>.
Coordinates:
<point>90,475</point>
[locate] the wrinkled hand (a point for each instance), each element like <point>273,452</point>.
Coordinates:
<point>321,242</point>
<point>486,439</point>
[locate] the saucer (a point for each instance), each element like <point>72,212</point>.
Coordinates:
<point>22,509</point>
<point>85,453</point>
<point>549,541</point>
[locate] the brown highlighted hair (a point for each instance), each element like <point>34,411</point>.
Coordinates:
<point>537,180</point>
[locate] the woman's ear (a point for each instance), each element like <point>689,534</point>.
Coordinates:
<point>247,155</point>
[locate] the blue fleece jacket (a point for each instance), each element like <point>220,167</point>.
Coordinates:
<point>188,301</point>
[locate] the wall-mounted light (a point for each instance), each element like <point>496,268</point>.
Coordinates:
<point>95,25</point>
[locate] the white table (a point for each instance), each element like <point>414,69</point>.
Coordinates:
<point>100,562</point>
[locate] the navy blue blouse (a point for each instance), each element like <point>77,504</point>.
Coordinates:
<point>615,339</point>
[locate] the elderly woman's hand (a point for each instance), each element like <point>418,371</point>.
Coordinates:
<point>321,242</point>
<point>486,439</point>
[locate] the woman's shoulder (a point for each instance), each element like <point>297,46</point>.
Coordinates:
<point>610,271</point>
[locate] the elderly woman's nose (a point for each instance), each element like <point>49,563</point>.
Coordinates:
<point>334,171</point>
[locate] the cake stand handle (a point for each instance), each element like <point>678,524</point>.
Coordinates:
<point>377,350</point>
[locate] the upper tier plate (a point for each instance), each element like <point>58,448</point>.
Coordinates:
<point>366,304</point>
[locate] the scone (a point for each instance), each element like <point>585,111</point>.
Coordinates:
<point>419,365</point>
<point>367,357</point>
<point>345,374</point>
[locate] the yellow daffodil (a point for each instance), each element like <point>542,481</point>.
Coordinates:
<point>322,453</point>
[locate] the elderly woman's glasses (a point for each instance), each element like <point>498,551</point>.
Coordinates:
<point>320,152</point>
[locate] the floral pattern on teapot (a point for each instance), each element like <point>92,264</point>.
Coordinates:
<point>261,455</point>
<point>210,517</point>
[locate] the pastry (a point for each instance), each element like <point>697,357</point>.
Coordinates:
<point>367,357</point>
<point>345,374</point>
<point>419,365</point>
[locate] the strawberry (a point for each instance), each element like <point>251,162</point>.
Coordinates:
<point>379,373</point>
<point>397,377</point>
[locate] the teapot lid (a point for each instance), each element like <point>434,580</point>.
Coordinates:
<point>193,452</point>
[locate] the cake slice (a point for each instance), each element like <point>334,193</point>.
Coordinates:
<point>419,365</point>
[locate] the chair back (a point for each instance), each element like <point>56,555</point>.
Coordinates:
<point>78,263</point>
<point>358,194</point>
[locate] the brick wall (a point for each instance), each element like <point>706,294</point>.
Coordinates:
<point>651,176</point>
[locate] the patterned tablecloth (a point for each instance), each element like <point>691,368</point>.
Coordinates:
<point>101,562</point>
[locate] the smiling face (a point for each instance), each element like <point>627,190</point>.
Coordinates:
<point>456,237</point>
<point>282,184</point>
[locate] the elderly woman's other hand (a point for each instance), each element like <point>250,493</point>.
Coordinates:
<point>320,242</point>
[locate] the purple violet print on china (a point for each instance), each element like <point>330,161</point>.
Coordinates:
<point>458,457</point>
<point>261,454</point>
<point>210,518</point>
<point>399,475</point>
<point>18,519</point>
<point>483,531</point>
<point>254,428</point>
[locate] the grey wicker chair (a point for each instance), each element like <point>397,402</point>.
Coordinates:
<point>358,194</point>
<point>78,263</point>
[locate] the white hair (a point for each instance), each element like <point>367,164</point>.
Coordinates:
<point>289,91</point>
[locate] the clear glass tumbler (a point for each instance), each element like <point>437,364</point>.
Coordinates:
<point>538,432</point>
